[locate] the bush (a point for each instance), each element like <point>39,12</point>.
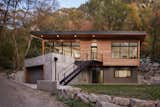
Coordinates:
<point>6,54</point>
<point>154,92</point>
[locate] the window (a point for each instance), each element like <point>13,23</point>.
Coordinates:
<point>94,50</point>
<point>125,50</point>
<point>76,49</point>
<point>67,48</point>
<point>122,73</point>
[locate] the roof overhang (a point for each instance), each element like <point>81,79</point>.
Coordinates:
<point>85,35</point>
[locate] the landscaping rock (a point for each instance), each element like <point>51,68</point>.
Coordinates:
<point>105,104</point>
<point>92,98</point>
<point>158,104</point>
<point>47,85</point>
<point>105,98</point>
<point>121,101</point>
<point>142,103</point>
<point>83,97</point>
<point>155,65</point>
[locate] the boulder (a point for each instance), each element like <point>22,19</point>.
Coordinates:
<point>121,101</point>
<point>105,98</point>
<point>105,104</point>
<point>158,104</point>
<point>142,103</point>
<point>83,97</point>
<point>92,98</point>
<point>156,65</point>
<point>47,85</point>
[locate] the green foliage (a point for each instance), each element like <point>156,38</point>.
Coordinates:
<point>72,102</point>
<point>35,49</point>
<point>108,14</point>
<point>154,92</point>
<point>148,92</point>
<point>6,54</point>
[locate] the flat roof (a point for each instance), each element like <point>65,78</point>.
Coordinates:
<point>49,35</point>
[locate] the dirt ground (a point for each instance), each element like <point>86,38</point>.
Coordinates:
<point>13,94</point>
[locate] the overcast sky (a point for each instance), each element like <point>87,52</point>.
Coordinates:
<point>71,3</point>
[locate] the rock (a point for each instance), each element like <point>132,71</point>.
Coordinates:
<point>83,97</point>
<point>105,104</point>
<point>68,91</point>
<point>142,103</point>
<point>156,64</point>
<point>158,104</point>
<point>121,101</point>
<point>47,85</point>
<point>92,98</point>
<point>72,91</point>
<point>105,98</point>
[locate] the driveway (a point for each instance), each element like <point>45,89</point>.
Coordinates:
<point>13,94</point>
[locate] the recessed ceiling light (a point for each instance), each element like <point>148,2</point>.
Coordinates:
<point>41,36</point>
<point>57,36</point>
<point>93,35</point>
<point>75,36</point>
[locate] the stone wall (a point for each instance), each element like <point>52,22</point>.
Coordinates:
<point>97,100</point>
<point>151,72</point>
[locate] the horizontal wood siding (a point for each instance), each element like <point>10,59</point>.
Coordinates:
<point>104,54</point>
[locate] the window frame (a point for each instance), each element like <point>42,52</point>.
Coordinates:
<point>128,76</point>
<point>120,46</point>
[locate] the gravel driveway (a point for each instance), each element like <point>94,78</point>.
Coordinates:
<point>13,94</point>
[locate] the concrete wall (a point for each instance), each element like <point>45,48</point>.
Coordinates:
<point>48,63</point>
<point>20,76</point>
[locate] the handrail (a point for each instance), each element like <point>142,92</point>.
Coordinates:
<point>66,69</point>
<point>81,66</point>
<point>71,67</point>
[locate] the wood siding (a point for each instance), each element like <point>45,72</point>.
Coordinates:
<point>104,53</point>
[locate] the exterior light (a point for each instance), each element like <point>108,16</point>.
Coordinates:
<point>93,36</point>
<point>57,36</point>
<point>75,36</point>
<point>41,36</point>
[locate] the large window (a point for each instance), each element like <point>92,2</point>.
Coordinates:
<point>125,50</point>
<point>66,48</point>
<point>76,49</point>
<point>122,73</point>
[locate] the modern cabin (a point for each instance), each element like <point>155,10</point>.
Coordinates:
<point>81,57</point>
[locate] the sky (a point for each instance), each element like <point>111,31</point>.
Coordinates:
<point>71,3</point>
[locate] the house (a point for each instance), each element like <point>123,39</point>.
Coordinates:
<point>81,57</point>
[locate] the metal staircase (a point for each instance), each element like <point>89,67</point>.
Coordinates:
<point>81,65</point>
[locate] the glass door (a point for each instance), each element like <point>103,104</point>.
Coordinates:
<point>94,51</point>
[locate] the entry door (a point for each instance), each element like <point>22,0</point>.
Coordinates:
<point>34,74</point>
<point>94,51</point>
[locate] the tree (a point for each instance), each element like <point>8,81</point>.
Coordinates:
<point>108,14</point>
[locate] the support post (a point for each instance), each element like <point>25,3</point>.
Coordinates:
<point>43,47</point>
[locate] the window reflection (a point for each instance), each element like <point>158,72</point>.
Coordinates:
<point>122,73</point>
<point>125,50</point>
<point>66,48</point>
<point>76,49</point>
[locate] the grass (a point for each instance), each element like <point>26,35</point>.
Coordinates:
<point>147,92</point>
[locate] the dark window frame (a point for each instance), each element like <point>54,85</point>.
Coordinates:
<point>116,70</point>
<point>120,48</point>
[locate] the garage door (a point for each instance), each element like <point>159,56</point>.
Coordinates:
<point>34,73</point>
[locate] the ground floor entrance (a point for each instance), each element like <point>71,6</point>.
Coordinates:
<point>34,73</point>
<point>113,75</point>
<point>97,75</point>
